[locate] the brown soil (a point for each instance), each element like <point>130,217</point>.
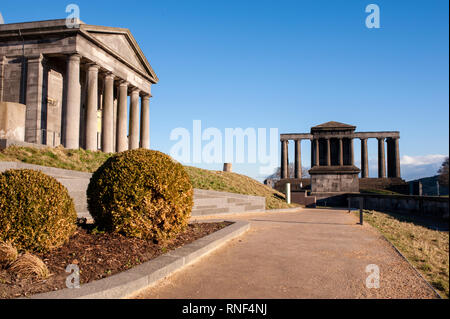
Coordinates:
<point>98,255</point>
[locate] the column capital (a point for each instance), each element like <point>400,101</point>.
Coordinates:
<point>35,58</point>
<point>135,90</point>
<point>146,96</point>
<point>74,57</point>
<point>381,138</point>
<point>109,75</point>
<point>93,67</point>
<point>123,83</point>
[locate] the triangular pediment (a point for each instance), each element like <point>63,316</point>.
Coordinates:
<point>333,124</point>
<point>123,44</point>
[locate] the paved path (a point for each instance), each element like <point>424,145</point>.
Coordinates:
<point>315,253</point>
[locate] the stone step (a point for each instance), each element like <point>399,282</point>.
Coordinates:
<point>206,202</point>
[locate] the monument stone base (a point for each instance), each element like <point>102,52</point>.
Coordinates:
<point>330,184</point>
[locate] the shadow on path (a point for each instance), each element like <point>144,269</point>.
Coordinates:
<point>291,222</point>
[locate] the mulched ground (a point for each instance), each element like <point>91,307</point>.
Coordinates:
<point>98,255</point>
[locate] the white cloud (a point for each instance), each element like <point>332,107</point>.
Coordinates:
<point>415,167</point>
<point>422,160</point>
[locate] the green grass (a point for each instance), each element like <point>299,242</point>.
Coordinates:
<point>426,248</point>
<point>88,161</point>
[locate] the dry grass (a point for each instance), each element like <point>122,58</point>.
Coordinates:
<point>28,265</point>
<point>8,254</point>
<point>78,160</point>
<point>427,249</point>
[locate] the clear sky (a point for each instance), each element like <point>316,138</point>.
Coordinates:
<point>288,65</point>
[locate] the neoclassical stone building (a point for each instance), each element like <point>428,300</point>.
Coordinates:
<point>75,83</point>
<point>333,169</point>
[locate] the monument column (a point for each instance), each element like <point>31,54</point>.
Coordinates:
<point>317,151</point>
<point>298,159</point>
<point>381,159</point>
<point>145,121</point>
<point>341,152</point>
<point>71,122</point>
<point>397,158</point>
<point>284,160</point>
<point>352,152</point>
<point>121,140</point>
<point>364,159</point>
<point>108,115</point>
<point>134,119</point>
<point>33,117</point>
<point>328,152</point>
<point>91,109</point>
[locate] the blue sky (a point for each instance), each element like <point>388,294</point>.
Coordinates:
<point>288,65</point>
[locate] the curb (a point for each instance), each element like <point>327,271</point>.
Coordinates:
<point>412,266</point>
<point>130,282</point>
<point>409,263</point>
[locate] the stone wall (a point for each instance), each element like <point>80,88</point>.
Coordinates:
<point>12,121</point>
<point>430,206</point>
<point>334,183</point>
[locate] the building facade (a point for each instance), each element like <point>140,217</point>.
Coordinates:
<point>83,85</point>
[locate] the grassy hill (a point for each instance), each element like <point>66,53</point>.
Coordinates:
<point>87,161</point>
<point>429,186</point>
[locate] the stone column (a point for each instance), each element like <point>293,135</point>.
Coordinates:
<point>134,120</point>
<point>284,160</point>
<point>341,152</point>
<point>381,159</point>
<point>115,104</point>
<point>312,153</point>
<point>317,151</point>
<point>364,159</point>
<point>33,117</point>
<point>71,122</point>
<point>2,75</point>
<point>108,115</point>
<point>122,114</point>
<point>298,158</point>
<point>328,152</point>
<point>397,158</point>
<point>145,122</point>
<point>91,109</point>
<point>352,152</point>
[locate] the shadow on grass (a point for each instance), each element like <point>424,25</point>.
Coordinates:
<point>429,222</point>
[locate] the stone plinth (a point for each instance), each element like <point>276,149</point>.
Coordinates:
<point>12,121</point>
<point>334,179</point>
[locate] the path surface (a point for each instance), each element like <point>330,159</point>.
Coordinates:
<point>315,253</point>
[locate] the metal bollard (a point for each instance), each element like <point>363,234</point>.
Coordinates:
<point>288,193</point>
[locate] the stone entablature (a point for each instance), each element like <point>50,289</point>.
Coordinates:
<point>66,75</point>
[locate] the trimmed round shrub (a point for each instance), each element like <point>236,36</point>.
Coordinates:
<point>36,211</point>
<point>141,193</point>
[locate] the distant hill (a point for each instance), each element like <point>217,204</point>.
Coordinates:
<point>429,186</point>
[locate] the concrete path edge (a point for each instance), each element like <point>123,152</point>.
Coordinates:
<point>132,281</point>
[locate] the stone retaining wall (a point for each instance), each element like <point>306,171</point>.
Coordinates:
<point>419,205</point>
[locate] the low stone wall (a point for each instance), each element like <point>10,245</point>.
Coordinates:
<point>419,205</point>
